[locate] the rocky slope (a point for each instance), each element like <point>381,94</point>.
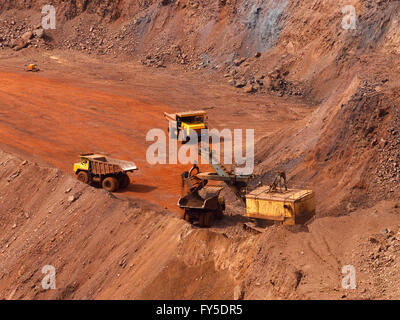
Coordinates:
<point>103,247</point>
<point>297,51</point>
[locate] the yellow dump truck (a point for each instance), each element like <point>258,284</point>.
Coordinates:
<point>32,68</point>
<point>111,173</point>
<point>290,207</point>
<point>187,121</point>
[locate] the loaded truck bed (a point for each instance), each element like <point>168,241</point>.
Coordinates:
<point>101,164</point>
<point>111,173</point>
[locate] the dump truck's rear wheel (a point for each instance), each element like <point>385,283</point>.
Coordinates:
<point>110,184</point>
<point>124,181</point>
<point>83,176</point>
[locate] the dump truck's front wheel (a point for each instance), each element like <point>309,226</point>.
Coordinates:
<point>83,176</point>
<point>110,184</point>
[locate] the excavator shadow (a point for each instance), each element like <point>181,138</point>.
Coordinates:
<point>225,222</point>
<point>256,226</point>
<point>230,221</point>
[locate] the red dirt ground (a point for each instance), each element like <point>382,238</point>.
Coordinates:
<point>107,248</point>
<point>55,119</point>
<point>326,112</point>
<point>67,122</point>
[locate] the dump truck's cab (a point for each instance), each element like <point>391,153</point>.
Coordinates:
<point>81,166</point>
<point>188,121</point>
<point>111,173</point>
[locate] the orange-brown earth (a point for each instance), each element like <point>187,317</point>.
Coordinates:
<point>103,247</point>
<point>57,118</point>
<point>109,115</point>
<point>325,109</point>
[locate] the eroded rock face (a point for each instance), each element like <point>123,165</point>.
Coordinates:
<point>348,150</point>
<point>107,9</point>
<point>220,32</point>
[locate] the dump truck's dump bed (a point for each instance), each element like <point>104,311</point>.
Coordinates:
<point>204,200</point>
<point>173,116</point>
<point>291,206</point>
<point>101,164</point>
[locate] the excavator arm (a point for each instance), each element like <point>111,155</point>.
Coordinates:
<point>237,183</point>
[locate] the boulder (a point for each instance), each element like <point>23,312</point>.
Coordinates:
<point>39,33</point>
<point>27,36</point>
<point>241,83</point>
<point>250,89</point>
<point>238,62</point>
<point>19,44</point>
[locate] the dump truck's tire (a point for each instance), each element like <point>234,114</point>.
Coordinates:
<point>83,176</point>
<point>210,216</point>
<point>110,184</point>
<point>210,219</point>
<point>124,181</point>
<point>206,220</point>
<point>185,215</point>
<point>202,220</point>
<point>219,215</point>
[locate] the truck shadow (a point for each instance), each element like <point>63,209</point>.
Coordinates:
<point>133,187</point>
<point>139,188</point>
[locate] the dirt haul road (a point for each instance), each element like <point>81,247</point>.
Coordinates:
<point>55,119</point>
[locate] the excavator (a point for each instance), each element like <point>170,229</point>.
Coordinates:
<point>273,203</point>
<point>203,203</point>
